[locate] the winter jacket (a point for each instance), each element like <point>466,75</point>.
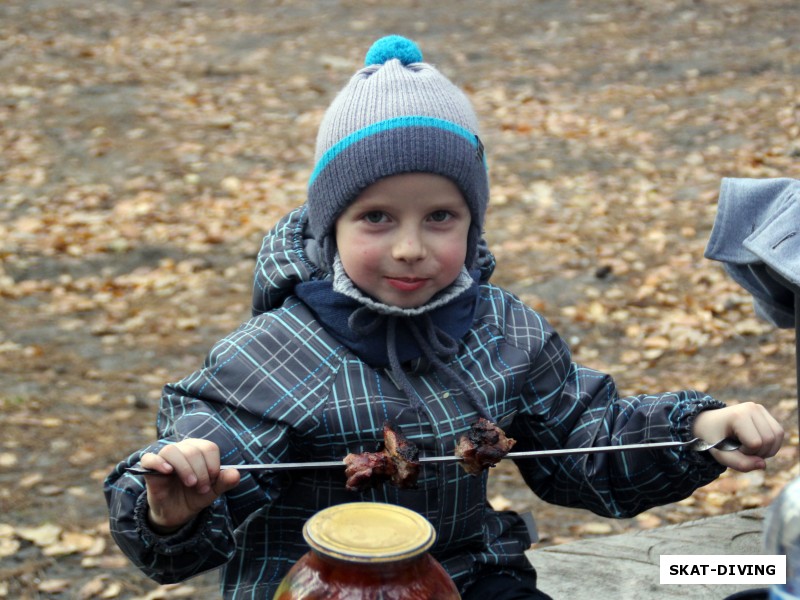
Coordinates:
<point>283,387</point>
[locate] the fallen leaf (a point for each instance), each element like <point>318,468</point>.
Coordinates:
<point>648,521</point>
<point>7,459</point>
<point>725,486</point>
<point>51,490</point>
<point>70,543</point>
<point>112,591</point>
<point>29,481</point>
<point>43,535</point>
<point>716,499</point>
<point>169,591</point>
<point>114,561</point>
<point>753,501</point>
<point>93,587</point>
<point>8,547</point>
<point>594,528</point>
<point>500,503</point>
<point>96,548</point>
<point>54,586</point>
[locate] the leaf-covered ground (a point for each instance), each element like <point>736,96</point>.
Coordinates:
<point>146,147</point>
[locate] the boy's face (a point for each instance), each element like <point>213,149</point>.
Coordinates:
<point>404,238</point>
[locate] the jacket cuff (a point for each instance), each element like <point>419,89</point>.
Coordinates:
<point>187,537</point>
<point>685,423</point>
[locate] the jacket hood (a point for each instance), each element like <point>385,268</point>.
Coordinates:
<point>290,255</point>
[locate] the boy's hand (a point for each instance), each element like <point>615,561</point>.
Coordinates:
<point>195,481</point>
<point>750,423</point>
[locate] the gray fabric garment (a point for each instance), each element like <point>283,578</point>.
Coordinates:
<point>756,235</point>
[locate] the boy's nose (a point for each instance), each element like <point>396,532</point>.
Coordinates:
<point>409,246</point>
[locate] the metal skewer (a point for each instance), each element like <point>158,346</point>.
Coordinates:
<point>695,444</point>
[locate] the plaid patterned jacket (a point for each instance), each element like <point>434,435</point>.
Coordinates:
<point>281,388</point>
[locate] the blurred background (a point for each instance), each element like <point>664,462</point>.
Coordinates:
<point>147,146</point>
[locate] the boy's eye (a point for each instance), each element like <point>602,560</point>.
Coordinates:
<point>374,216</point>
<point>440,216</point>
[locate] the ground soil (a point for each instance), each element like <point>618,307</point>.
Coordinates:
<point>146,147</point>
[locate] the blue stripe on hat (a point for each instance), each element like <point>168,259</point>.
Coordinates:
<point>387,125</point>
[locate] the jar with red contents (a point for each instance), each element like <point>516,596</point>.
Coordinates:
<point>367,551</point>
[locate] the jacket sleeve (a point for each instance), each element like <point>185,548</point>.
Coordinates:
<point>203,544</point>
<point>566,405</point>
<point>200,406</point>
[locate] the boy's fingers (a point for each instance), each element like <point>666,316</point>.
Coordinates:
<point>762,437</point>
<point>200,469</point>
<point>185,462</point>
<point>196,462</point>
<point>748,435</point>
<point>156,463</point>
<point>755,430</point>
<point>779,434</point>
<point>227,480</point>
<point>751,463</point>
<point>739,461</point>
<point>766,439</point>
<point>773,435</point>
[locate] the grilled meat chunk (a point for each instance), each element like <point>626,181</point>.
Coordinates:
<point>396,463</point>
<point>368,469</point>
<point>404,454</point>
<point>483,446</point>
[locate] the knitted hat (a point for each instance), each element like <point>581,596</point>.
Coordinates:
<point>396,115</point>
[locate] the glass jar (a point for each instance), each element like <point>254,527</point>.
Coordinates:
<point>367,551</point>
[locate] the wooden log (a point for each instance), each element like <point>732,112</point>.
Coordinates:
<point>626,566</point>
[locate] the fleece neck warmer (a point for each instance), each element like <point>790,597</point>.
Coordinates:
<point>386,336</point>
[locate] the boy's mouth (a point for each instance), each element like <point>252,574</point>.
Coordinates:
<point>406,284</point>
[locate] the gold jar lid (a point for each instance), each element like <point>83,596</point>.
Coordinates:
<point>369,532</point>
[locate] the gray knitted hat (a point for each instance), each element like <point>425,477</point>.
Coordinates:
<point>396,115</point>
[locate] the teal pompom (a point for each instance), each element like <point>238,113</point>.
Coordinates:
<point>393,46</point>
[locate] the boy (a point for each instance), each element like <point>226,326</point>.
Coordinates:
<point>372,303</point>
